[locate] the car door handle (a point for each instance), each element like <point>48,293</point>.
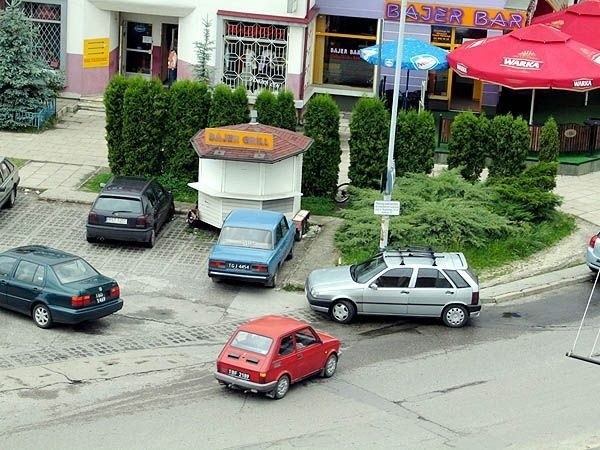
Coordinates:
<point>449,292</point>
<point>405,292</point>
<point>300,356</point>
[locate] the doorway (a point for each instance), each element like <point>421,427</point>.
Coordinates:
<point>466,94</point>
<point>169,38</point>
<point>138,49</point>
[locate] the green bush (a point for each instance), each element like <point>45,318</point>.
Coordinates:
<point>266,108</point>
<point>415,142</point>
<point>467,146</point>
<point>189,104</point>
<point>288,116</point>
<point>322,160</point>
<point>549,141</point>
<point>369,138</point>
<point>511,144</point>
<point>221,108</point>
<point>113,105</point>
<point>239,101</point>
<point>145,106</point>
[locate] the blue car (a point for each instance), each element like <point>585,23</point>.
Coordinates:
<point>252,246</point>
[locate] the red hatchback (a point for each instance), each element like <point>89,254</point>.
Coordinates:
<point>270,353</point>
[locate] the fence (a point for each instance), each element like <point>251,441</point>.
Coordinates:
<point>574,137</point>
<point>37,119</point>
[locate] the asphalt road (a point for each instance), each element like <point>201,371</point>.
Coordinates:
<point>142,378</point>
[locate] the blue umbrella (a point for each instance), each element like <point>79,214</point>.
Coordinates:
<point>416,55</point>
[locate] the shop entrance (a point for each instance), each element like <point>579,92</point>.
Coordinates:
<point>169,38</point>
<point>137,49</point>
<point>466,93</point>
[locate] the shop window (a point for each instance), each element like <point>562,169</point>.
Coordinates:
<point>255,55</point>
<point>337,44</point>
<point>49,21</point>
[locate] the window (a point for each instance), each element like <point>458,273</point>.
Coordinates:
<point>287,346</point>
<point>6,265</point>
<point>252,342</point>
<point>337,59</point>
<point>246,237</point>
<point>305,338</point>
<point>29,272</point>
<point>458,280</point>
<point>74,270</point>
<point>120,204</point>
<point>395,278</point>
<point>431,278</point>
<point>48,19</point>
<point>363,272</point>
<point>255,55</point>
<point>4,171</point>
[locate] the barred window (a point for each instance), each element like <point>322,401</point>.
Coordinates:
<point>47,19</point>
<point>255,55</point>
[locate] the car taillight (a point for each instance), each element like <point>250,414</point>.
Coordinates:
<point>260,268</point>
<point>114,291</point>
<point>475,298</point>
<point>217,264</point>
<point>262,376</point>
<point>80,301</point>
<point>141,221</point>
<point>593,241</point>
<point>92,217</point>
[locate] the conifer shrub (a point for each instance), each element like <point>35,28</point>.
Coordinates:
<point>221,108</point>
<point>267,108</point>
<point>415,142</point>
<point>239,101</point>
<point>288,116</point>
<point>113,105</point>
<point>369,138</point>
<point>549,141</point>
<point>467,146</point>
<point>511,142</point>
<point>322,160</point>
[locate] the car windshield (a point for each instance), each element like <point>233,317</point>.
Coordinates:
<point>74,270</point>
<point>363,272</point>
<point>246,237</point>
<point>118,204</point>
<point>252,342</point>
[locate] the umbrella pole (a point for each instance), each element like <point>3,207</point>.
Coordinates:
<point>586,98</point>
<point>531,109</point>
<point>405,102</point>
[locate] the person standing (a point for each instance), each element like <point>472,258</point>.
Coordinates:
<point>172,66</point>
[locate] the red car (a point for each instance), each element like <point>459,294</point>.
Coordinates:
<point>270,353</point>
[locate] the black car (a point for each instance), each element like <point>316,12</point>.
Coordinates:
<point>130,209</point>
<point>53,286</point>
<point>9,181</point>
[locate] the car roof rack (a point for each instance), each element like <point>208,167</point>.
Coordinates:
<point>415,250</point>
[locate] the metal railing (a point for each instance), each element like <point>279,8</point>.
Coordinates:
<point>36,119</point>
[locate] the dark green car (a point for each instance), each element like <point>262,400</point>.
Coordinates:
<point>52,286</point>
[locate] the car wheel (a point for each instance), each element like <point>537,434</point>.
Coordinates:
<point>171,212</point>
<point>152,239</point>
<point>12,197</point>
<point>215,279</point>
<point>282,388</point>
<point>290,255</point>
<point>41,316</point>
<point>272,282</point>
<point>342,311</point>
<point>455,316</point>
<point>90,239</point>
<point>330,366</point>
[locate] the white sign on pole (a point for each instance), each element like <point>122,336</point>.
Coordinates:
<point>386,208</point>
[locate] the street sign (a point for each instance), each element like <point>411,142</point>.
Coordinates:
<point>386,208</point>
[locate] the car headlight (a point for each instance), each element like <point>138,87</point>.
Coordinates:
<point>314,292</point>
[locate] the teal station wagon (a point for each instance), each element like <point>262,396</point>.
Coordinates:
<point>252,246</point>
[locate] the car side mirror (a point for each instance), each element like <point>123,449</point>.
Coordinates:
<point>373,286</point>
<point>102,185</point>
<point>2,189</point>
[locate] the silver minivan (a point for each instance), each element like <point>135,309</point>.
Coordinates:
<point>412,281</point>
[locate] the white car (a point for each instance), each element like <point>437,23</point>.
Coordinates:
<point>592,254</point>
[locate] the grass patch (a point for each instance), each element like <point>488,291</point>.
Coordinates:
<point>291,287</point>
<point>19,162</point>
<point>93,183</point>
<point>320,206</point>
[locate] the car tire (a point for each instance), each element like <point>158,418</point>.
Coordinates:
<point>290,255</point>
<point>12,198</point>
<point>342,311</point>
<point>455,316</point>
<point>152,240</point>
<point>216,279</point>
<point>281,388</point>
<point>330,366</point>
<point>90,239</point>
<point>41,316</point>
<point>272,282</point>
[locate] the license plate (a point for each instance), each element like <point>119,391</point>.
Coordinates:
<point>238,374</point>
<point>118,220</point>
<point>237,266</point>
<point>100,298</point>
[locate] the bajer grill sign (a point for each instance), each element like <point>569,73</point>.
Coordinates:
<point>240,139</point>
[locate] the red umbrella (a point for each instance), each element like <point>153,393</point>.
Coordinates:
<point>534,57</point>
<point>581,21</point>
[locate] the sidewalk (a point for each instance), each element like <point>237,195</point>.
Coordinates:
<point>60,160</point>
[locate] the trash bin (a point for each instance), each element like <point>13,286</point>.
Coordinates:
<point>594,124</point>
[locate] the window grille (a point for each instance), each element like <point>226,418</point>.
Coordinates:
<point>46,20</point>
<point>255,56</point>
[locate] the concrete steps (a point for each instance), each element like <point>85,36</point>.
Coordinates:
<point>91,104</point>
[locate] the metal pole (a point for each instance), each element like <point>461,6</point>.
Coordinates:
<point>531,108</point>
<point>391,168</point>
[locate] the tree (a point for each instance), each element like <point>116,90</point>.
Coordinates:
<point>239,101</point>
<point>415,142</point>
<point>266,108</point>
<point>26,82</point>
<point>322,160</point>
<point>189,104</point>
<point>204,51</point>
<point>511,144</point>
<point>288,117</point>
<point>221,107</point>
<point>549,141</point>
<point>113,105</point>
<point>369,138</point>
<point>466,148</point>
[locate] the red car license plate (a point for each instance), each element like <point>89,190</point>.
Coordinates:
<point>238,374</point>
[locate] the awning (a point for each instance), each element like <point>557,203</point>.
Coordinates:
<point>172,8</point>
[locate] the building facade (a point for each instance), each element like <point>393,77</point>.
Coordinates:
<point>306,46</point>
